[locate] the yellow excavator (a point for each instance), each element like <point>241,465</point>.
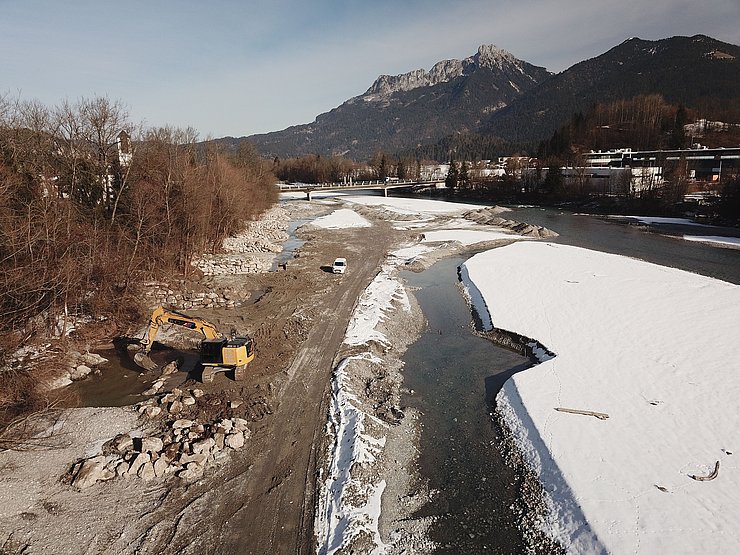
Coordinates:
<point>217,353</point>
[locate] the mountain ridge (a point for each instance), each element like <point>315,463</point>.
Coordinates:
<point>488,56</point>
<point>495,94</point>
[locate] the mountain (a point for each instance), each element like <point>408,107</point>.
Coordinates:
<point>494,94</point>
<point>414,108</point>
<point>689,70</point>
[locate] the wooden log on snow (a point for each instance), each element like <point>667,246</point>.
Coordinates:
<point>599,415</point>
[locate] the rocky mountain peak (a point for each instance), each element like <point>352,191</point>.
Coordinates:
<point>489,56</point>
<point>493,57</point>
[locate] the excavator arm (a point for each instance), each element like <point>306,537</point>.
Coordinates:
<point>163,316</point>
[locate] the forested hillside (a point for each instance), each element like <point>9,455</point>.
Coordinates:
<point>641,123</point>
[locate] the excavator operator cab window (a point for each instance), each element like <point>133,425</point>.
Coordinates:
<point>211,350</point>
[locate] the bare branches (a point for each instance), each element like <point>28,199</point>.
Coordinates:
<point>25,433</point>
<point>711,476</point>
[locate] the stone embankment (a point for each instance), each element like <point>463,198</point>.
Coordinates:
<point>490,216</point>
<point>183,446</point>
<point>177,296</point>
<point>251,251</point>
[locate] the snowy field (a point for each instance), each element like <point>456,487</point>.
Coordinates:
<point>412,205</point>
<point>654,351</point>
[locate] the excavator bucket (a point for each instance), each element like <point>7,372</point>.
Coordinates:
<point>142,359</point>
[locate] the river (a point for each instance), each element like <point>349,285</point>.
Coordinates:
<point>455,376</point>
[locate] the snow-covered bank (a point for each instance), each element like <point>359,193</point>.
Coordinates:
<point>351,488</point>
<point>651,347</point>
<point>715,240</point>
<point>469,236</point>
<point>660,220</point>
<point>341,219</point>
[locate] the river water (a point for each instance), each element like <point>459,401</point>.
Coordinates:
<point>456,375</point>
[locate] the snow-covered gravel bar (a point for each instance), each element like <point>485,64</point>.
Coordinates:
<point>655,349</point>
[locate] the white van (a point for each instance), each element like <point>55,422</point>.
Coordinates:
<point>340,264</point>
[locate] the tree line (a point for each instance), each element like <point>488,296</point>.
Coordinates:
<point>92,204</point>
<point>335,169</point>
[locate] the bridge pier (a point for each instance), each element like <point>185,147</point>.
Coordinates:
<point>308,195</point>
<point>385,191</point>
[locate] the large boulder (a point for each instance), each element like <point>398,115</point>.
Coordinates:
<point>192,471</point>
<point>235,440</point>
<point>151,444</point>
<point>160,466</point>
<point>90,472</point>
<point>140,460</point>
<point>146,472</point>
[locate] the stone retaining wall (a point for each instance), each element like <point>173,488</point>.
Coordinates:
<point>251,251</point>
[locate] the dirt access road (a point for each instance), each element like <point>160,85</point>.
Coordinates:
<point>262,501</point>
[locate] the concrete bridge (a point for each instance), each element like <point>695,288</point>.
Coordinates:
<point>309,188</point>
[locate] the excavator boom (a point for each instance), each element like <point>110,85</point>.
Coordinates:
<point>163,316</point>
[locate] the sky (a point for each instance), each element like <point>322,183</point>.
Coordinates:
<point>236,68</point>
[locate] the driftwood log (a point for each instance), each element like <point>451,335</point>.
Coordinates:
<point>599,415</point>
<point>711,476</point>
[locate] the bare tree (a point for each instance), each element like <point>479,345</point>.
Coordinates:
<point>102,122</point>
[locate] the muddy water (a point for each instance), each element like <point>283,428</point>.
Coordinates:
<point>455,376</point>
<point>121,382</point>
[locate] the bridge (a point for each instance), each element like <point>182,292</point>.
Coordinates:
<point>378,184</point>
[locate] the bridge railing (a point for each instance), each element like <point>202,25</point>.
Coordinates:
<point>341,184</point>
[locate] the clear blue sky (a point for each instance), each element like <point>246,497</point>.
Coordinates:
<point>241,67</point>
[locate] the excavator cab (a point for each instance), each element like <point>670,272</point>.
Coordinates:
<point>236,351</point>
<point>223,354</point>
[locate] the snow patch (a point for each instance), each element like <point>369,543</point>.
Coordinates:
<point>341,219</point>
<point>413,206</point>
<point>342,514</point>
<point>469,236</point>
<point>372,305</point>
<point>650,220</point>
<point>716,240</point>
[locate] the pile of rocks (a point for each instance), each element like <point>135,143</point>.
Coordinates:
<point>264,235</point>
<point>224,264</point>
<point>184,449</point>
<point>161,294</point>
<point>489,216</point>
